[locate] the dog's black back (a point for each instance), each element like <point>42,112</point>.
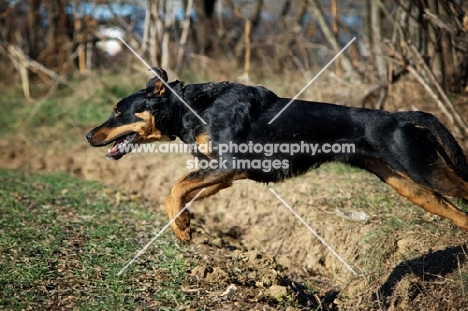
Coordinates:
<point>241,114</point>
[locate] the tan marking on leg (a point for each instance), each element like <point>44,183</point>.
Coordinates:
<point>181,226</point>
<point>209,191</point>
<point>427,198</point>
<point>447,182</point>
<point>184,190</point>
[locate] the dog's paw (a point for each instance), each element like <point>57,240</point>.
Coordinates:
<point>184,235</point>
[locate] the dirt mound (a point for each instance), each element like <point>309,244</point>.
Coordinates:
<point>229,275</point>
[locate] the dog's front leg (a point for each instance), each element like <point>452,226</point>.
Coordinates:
<point>188,187</point>
<point>181,226</point>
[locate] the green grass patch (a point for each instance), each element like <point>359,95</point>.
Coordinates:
<point>63,241</point>
<point>81,103</point>
<point>340,168</point>
<point>12,106</point>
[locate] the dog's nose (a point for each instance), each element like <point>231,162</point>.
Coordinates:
<point>89,135</point>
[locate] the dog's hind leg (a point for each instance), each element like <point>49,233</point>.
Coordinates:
<point>431,201</point>
<point>434,155</point>
<point>188,187</point>
<point>421,195</point>
<point>447,182</point>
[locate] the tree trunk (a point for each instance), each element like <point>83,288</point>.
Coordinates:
<point>58,50</point>
<point>33,30</point>
<point>333,40</point>
<point>334,9</point>
<point>183,37</point>
<point>367,23</point>
<point>377,49</point>
<point>154,32</point>
<point>433,45</point>
<point>168,23</point>
<point>204,36</point>
<point>288,31</point>
<point>249,27</point>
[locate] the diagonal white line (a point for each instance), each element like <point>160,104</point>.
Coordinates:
<point>159,233</point>
<point>311,81</point>
<point>165,83</point>
<point>314,233</point>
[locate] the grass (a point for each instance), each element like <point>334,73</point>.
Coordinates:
<point>71,111</point>
<point>63,241</point>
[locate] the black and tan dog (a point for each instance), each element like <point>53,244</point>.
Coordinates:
<point>411,151</point>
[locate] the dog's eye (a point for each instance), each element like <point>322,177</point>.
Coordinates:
<point>117,113</point>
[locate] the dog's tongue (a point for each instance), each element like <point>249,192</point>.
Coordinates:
<point>116,147</point>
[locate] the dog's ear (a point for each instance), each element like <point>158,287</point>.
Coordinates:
<point>155,87</point>
<point>160,72</point>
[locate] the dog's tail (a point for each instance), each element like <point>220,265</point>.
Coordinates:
<point>450,150</point>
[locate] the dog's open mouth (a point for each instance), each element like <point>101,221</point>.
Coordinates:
<point>122,146</point>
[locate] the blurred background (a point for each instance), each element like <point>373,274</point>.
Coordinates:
<point>45,41</point>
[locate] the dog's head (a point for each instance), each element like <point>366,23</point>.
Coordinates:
<point>145,116</point>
